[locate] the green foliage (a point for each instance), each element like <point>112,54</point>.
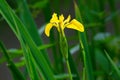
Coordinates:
<point>92,55</point>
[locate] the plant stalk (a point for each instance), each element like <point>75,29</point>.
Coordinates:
<point>69,70</point>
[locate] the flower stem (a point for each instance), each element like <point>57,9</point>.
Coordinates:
<point>69,70</point>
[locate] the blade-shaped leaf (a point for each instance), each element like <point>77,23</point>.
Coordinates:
<point>16,25</point>
<point>117,71</point>
<point>84,47</point>
<point>17,75</point>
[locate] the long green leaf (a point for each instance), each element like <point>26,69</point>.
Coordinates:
<point>84,47</point>
<point>17,75</point>
<point>14,53</point>
<point>28,57</point>
<point>29,23</point>
<point>10,17</point>
<point>117,71</point>
<point>102,60</point>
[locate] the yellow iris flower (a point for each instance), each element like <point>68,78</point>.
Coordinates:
<point>60,24</point>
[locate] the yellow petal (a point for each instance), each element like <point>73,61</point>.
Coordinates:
<point>48,28</point>
<point>61,18</point>
<point>68,19</point>
<point>54,18</point>
<point>74,24</point>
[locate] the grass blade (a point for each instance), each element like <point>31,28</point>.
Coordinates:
<point>117,71</point>
<point>84,47</point>
<point>28,21</point>
<point>12,20</point>
<point>17,75</point>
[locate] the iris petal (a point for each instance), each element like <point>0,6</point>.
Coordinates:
<point>60,24</point>
<point>68,19</point>
<point>54,18</point>
<point>48,28</point>
<point>74,24</point>
<point>61,18</point>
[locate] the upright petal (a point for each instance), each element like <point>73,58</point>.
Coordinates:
<point>68,19</point>
<point>48,28</point>
<point>54,18</point>
<point>61,19</point>
<point>74,24</point>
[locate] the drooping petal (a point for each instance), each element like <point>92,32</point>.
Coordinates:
<point>74,24</point>
<point>54,18</point>
<point>48,28</point>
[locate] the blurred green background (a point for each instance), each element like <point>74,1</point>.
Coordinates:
<point>101,19</point>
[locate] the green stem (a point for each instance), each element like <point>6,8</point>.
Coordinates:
<point>69,70</point>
